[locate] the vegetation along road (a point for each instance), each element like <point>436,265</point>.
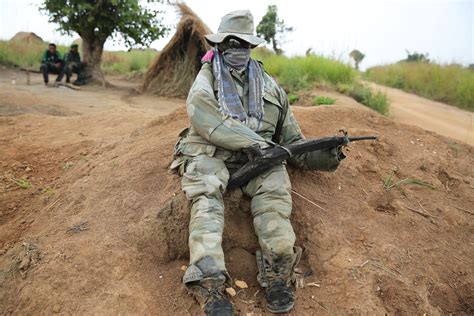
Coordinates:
<point>430,115</point>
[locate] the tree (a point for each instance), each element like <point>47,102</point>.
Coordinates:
<point>357,56</point>
<point>97,20</point>
<point>272,29</point>
<point>416,57</point>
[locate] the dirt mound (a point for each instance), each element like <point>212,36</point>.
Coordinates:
<point>27,37</point>
<point>174,69</point>
<point>103,228</point>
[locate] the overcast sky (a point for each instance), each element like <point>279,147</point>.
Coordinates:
<point>381,29</point>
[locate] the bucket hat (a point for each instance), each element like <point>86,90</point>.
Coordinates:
<point>239,24</point>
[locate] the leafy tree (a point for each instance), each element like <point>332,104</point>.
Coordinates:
<point>272,29</point>
<point>97,20</point>
<point>357,56</point>
<point>416,57</point>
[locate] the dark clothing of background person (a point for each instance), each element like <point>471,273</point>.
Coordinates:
<point>52,62</point>
<point>73,64</point>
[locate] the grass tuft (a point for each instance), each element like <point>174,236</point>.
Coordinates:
<point>22,183</point>
<point>377,101</point>
<point>292,98</point>
<point>322,100</point>
<point>388,183</point>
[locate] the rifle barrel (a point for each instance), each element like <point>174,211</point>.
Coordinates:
<point>356,138</point>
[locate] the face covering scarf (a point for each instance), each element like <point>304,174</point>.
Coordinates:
<point>228,97</point>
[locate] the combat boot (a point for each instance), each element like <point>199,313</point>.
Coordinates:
<point>216,302</point>
<point>276,275</point>
<point>280,296</point>
<point>208,285</point>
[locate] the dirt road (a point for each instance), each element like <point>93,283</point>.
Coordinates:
<point>92,221</point>
<point>430,115</point>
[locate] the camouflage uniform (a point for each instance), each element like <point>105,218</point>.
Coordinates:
<point>212,148</point>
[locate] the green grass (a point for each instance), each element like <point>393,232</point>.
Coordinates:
<point>299,73</point>
<point>118,63</point>
<point>451,84</point>
<point>322,100</point>
<point>122,63</point>
<point>21,54</point>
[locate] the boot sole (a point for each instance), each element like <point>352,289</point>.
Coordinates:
<point>281,309</point>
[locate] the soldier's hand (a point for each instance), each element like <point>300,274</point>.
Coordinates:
<point>58,65</point>
<point>253,152</point>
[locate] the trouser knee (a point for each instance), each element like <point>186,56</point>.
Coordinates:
<point>275,233</point>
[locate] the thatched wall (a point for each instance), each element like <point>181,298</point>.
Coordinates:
<point>174,69</point>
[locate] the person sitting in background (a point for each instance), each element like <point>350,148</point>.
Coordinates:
<point>52,62</point>
<point>73,64</point>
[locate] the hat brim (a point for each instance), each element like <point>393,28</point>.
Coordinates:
<point>220,37</point>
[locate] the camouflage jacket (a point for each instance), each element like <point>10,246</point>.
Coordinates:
<point>210,133</point>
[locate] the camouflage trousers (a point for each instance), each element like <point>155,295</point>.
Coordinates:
<point>204,182</point>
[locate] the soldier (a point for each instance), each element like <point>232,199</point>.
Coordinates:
<point>232,106</point>
<point>74,64</point>
<point>52,62</point>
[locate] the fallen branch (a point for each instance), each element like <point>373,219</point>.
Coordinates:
<point>48,207</point>
<point>417,212</point>
<point>308,200</point>
<point>36,71</point>
<point>463,210</point>
<point>426,212</point>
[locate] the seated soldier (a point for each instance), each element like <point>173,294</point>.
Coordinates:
<point>52,62</point>
<point>234,105</point>
<point>73,64</point>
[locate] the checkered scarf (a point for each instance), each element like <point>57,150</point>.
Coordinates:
<point>228,97</point>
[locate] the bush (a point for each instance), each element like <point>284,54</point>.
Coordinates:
<point>377,101</point>
<point>322,100</point>
<point>451,84</point>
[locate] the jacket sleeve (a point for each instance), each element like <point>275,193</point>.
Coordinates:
<point>203,113</point>
<point>324,160</point>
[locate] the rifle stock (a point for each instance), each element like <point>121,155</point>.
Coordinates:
<point>278,154</point>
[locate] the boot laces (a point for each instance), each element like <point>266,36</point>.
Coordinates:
<point>215,294</point>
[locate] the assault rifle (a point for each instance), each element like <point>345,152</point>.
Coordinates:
<point>262,160</point>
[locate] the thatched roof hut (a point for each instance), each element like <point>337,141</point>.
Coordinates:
<point>174,69</point>
<point>27,37</point>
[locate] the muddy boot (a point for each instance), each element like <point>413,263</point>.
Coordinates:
<point>276,275</point>
<point>208,285</point>
<point>280,297</point>
<point>216,301</point>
